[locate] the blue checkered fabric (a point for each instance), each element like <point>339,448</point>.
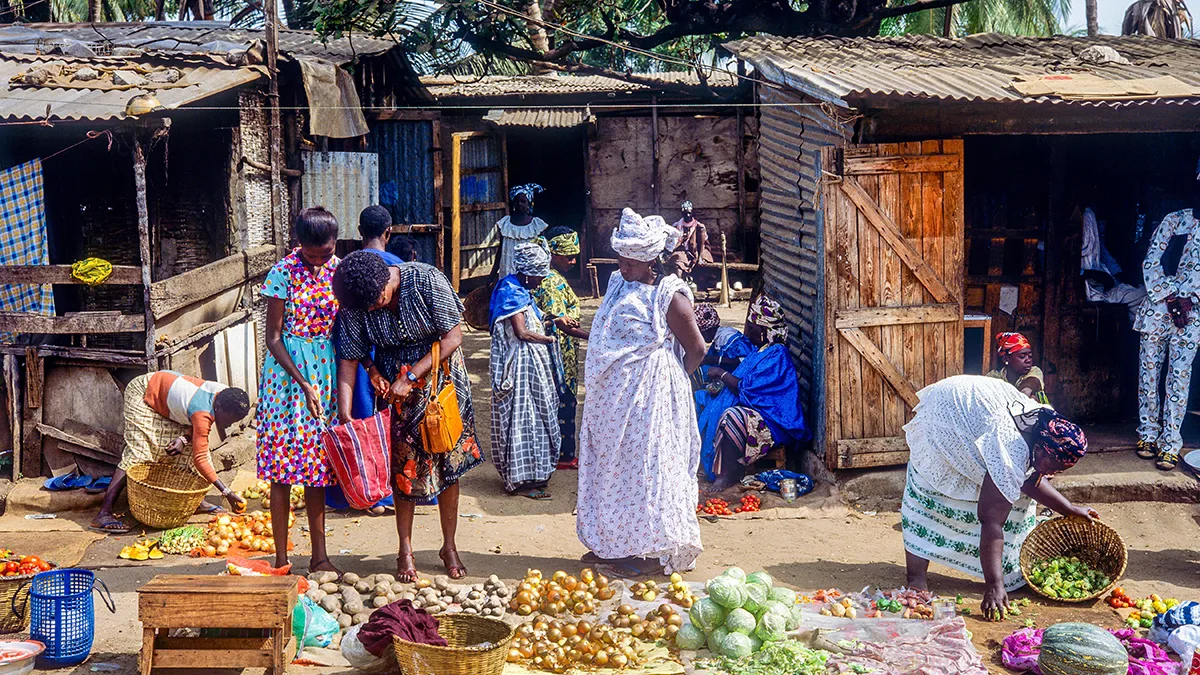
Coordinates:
<point>23,238</point>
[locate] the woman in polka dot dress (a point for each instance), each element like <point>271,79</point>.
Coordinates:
<point>296,390</point>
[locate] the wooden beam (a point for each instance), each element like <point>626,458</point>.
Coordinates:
<point>892,235</point>
<point>61,274</point>
<point>143,219</point>
<point>13,400</point>
<point>78,322</point>
<point>92,444</point>
<point>863,166</point>
<point>208,330</point>
<point>31,443</point>
<point>897,316</point>
<point>181,290</point>
<point>863,453</point>
<point>880,362</point>
<point>654,189</point>
<point>456,209</point>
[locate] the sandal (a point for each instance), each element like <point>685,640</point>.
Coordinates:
<point>536,494</point>
<point>406,575</point>
<point>568,465</point>
<point>619,569</point>
<point>1167,461</point>
<point>109,524</point>
<point>453,570</point>
<point>1146,450</point>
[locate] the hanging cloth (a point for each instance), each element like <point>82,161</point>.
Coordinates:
<point>23,233</point>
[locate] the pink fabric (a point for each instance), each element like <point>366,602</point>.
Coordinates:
<point>1021,649</point>
<point>946,650</point>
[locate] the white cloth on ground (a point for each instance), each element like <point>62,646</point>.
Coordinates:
<point>639,444</point>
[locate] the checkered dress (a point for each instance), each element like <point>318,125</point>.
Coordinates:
<point>23,229</point>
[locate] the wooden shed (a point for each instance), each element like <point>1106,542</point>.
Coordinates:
<point>920,194</point>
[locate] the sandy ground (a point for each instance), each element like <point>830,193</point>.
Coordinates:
<point>816,543</point>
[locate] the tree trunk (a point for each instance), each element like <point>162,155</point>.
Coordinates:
<point>948,22</point>
<point>95,11</point>
<point>1093,18</point>
<point>537,32</point>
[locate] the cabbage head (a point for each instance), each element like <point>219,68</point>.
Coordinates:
<point>755,644</point>
<point>740,621</point>
<point>771,626</point>
<point>706,614</point>
<point>761,577</point>
<point>689,637</point>
<point>737,646</point>
<point>785,595</point>
<point>771,606</point>
<point>736,573</point>
<point>715,638</point>
<point>795,616</point>
<point>727,592</point>
<point>757,593</point>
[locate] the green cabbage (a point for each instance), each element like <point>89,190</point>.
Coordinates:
<point>771,606</point>
<point>736,573</point>
<point>795,617</point>
<point>715,638</point>
<point>785,595</point>
<point>761,577</point>
<point>689,637</point>
<point>755,643</point>
<point>740,621</point>
<point>737,646</point>
<point>772,626</point>
<point>706,614</point>
<point>727,592</point>
<point>757,593</point>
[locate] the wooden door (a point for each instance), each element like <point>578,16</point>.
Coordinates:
<point>478,198</point>
<point>894,277</point>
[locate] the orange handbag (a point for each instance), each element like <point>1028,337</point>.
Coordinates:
<point>442,425</point>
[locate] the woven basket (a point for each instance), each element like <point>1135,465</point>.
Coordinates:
<point>1093,542</point>
<point>15,590</point>
<point>476,646</point>
<point>164,496</point>
<point>477,306</point>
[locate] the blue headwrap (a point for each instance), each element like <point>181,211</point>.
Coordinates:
<point>528,189</point>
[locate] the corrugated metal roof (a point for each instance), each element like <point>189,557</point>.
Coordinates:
<point>205,36</point>
<point>541,118</point>
<point>29,103</point>
<point>444,86</point>
<point>975,68</point>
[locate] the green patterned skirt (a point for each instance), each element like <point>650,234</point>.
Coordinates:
<point>946,530</point>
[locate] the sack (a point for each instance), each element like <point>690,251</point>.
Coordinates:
<point>359,452</point>
<point>360,659</point>
<point>442,424</point>
<point>312,625</point>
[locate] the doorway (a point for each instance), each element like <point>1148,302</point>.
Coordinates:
<point>554,159</point>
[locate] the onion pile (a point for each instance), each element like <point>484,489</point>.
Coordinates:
<point>558,646</point>
<point>560,595</point>
<point>680,593</point>
<point>662,622</point>
<point>252,532</point>
<point>646,591</point>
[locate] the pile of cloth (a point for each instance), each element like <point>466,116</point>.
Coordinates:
<point>403,620</point>
<point>946,650</point>
<point>1021,649</point>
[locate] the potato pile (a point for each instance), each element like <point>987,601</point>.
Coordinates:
<point>352,600</point>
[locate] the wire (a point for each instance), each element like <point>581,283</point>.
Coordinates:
<point>90,135</point>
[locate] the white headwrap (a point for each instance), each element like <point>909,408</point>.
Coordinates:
<point>643,239</point>
<point>531,258</point>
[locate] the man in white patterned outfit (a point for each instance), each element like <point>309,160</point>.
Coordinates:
<point>1170,331</point>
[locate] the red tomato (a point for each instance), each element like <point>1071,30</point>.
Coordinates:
<point>11,566</point>
<point>44,566</point>
<point>30,560</point>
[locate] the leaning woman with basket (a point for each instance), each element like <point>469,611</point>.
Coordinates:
<point>409,313</point>
<point>979,450</point>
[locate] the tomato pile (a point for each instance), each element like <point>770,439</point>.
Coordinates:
<point>750,504</point>
<point>715,507</point>
<point>27,564</point>
<point>1147,608</point>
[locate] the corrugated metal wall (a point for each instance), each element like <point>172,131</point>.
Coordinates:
<point>790,142</point>
<point>345,183</point>
<point>406,170</point>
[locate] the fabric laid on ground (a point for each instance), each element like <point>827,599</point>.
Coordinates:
<point>1020,652</point>
<point>403,620</point>
<point>23,233</point>
<point>946,650</point>
<point>334,110</point>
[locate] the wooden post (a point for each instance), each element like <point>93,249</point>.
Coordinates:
<point>1052,288</point>
<point>278,224</point>
<point>587,228</point>
<point>741,168</point>
<point>654,153</point>
<point>139,182</point>
<point>455,211</point>
<point>439,207</point>
<point>31,442</point>
<point>13,388</point>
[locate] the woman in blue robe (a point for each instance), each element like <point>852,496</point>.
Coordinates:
<point>758,406</point>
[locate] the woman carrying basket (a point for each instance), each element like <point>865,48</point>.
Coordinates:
<point>979,450</point>
<point>401,311</point>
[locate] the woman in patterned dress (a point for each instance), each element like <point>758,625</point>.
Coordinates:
<point>979,450</point>
<point>296,391</point>
<point>639,444</point>
<point>525,434</point>
<point>401,310</point>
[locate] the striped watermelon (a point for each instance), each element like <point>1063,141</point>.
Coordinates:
<point>1081,649</point>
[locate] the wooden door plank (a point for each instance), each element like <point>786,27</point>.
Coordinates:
<point>869,245</point>
<point>891,336</point>
<point>832,384</point>
<point>888,230</point>
<point>866,453</point>
<point>895,163</point>
<point>932,248</point>
<point>848,297</point>
<point>912,292</point>
<point>78,322</point>
<point>897,316</point>
<point>955,254</point>
<point>872,355</point>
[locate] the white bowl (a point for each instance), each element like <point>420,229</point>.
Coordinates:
<point>17,656</point>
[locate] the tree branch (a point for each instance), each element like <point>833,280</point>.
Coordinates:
<point>920,6</point>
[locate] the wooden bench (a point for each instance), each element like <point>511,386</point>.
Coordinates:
<point>260,604</point>
<point>595,279</point>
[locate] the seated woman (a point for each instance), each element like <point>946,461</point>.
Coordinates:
<point>759,406</point>
<point>1016,366</point>
<point>727,347</point>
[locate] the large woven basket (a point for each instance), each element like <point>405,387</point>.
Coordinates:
<point>14,601</point>
<point>476,645</point>
<point>477,307</point>
<point>1093,542</point>
<point>164,496</point>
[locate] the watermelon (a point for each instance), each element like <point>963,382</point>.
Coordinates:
<point>1081,649</point>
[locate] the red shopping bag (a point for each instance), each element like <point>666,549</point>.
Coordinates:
<point>359,454</point>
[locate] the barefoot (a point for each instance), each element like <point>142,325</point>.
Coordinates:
<point>323,565</point>
<point>718,486</point>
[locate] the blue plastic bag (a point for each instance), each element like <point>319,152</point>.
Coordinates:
<point>804,484</point>
<point>312,625</point>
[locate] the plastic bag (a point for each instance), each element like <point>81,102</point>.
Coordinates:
<point>358,656</point>
<point>1184,641</point>
<point>313,626</point>
<point>804,484</point>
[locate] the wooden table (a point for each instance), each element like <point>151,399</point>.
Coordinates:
<point>179,601</point>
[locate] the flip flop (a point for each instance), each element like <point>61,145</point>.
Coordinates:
<point>1167,461</point>
<point>619,570</point>
<point>569,465</point>
<point>67,481</point>
<point>536,494</point>
<point>111,525</point>
<point>99,485</point>
<point>1146,450</point>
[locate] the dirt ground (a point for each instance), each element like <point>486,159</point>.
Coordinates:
<point>816,543</point>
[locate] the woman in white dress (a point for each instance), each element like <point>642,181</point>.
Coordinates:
<point>519,227</point>
<point>639,442</point>
<point>980,449</point>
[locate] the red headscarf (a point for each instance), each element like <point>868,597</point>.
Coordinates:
<point>1011,343</point>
